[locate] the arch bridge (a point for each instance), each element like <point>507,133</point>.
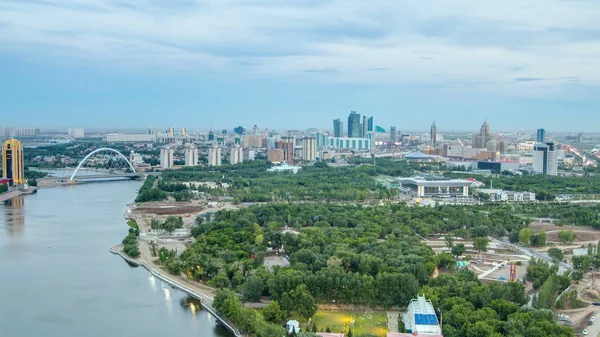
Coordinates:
<point>62,139</point>
<point>104,163</point>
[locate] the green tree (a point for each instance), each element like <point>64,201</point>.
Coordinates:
<point>252,289</point>
<point>566,236</point>
<point>458,249</point>
<point>556,254</point>
<point>539,239</point>
<point>525,236</point>
<point>304,302</point>
<point>449,240</point>
<point>273,313</point>
<point>481,244</point>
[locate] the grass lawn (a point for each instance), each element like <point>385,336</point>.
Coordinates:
<point>339,321</point>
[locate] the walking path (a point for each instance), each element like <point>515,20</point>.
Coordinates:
<point>392,317</point>
<point>203,293</point>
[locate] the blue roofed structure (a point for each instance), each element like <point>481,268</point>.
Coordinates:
<point>420,318</point>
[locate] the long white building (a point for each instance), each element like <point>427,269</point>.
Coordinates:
<point>236,155</point>
<point>191,155</point>
<point>166,157</point>
<point>214,156</point>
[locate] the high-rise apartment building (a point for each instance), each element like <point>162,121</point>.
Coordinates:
<point>211,136</point>
<point>545,159</point>
<point>79,133</point>
<point>171,131</point>
<point>191,155</point>
<point>166,157</point>
<point>27,132</point>
<point>236,155</point>
<point>370,124</point>
<point>393,135</point>
<point>12,162</point>
<point>580,138</point>
<point>214,156</point>
<point>541,135</point>
<point>184,132</point>
<point>338,128</point>
<point>239,130</point>
<point>354,129</point>
<point>309,148</point>
<point>433,134</point>
<point>287,145</point>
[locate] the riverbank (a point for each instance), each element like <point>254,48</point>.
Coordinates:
<point>205,296</point>
<point>15,193</point>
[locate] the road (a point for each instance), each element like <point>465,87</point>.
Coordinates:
<point>563,266</point>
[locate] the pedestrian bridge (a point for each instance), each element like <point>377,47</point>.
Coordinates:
<point>104,163</point>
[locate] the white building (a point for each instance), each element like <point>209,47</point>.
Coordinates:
<point>284,167</point>
<point>191,155</point>
<point>309,148</point>
<point>292,326</point>
<point>500,195</point>
<point>420,318</point>
<point>76,133</point>
<point>214,156</point>
<point>135,158</point>
<point>236,155</point>
<point>129,138</point>
<point>249,154</point>
<point>166,157</point>
<point>436,187</point>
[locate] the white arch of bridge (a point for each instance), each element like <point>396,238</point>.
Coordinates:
<point>99,150</point>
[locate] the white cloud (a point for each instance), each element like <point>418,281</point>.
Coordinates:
<point>513,46</point>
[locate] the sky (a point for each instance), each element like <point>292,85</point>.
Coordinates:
<point>296,64</point>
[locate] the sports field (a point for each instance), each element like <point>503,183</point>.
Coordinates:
<point>362,322</point>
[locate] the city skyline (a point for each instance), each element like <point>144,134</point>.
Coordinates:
<point>299,64</point>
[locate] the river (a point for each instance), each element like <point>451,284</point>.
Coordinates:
<point>57,277</point>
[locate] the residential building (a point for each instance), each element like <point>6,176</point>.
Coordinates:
<point>275,155</point>
<point>354,129</point>
<point>541,135</point>
<point>287,145</point>
<point>433,134</point>
<point>254,141</point>
<point>545,159</point>
<point>183,132</point>
<point>171,132</point>
<point>249,154</point>
<point>393,135</point>
<point>191,155</point>
<point>166,157</point>
<point>344,142</point>
<point>76,132</point>
<point>420,318</point>
<point>428,186</point>
<point>12,162</point>
<point>236,155</point>
<point>309,148</point>
<point>27,132</point>
<point>214,155</point>
<point>211,136</point>
<point>580,138</point>
<point>130,138</point>
<point>338,128</point>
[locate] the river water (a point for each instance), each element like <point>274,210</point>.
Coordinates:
<point>57,277</point>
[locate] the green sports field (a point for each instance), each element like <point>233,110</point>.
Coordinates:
<point>362,322</point>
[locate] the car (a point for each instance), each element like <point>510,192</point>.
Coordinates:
<point>592,319</point>
<point>585,332</point>
<point>596,303</point>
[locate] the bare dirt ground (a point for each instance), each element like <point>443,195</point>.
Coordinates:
<point>536,226</point>
<point>167,209</point>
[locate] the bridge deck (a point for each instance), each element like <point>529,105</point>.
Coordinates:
<point>9,195</point>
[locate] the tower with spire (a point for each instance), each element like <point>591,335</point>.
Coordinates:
<point>433,134</point>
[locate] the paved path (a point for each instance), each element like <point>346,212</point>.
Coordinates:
<point>9,195</point>
<point>392,317</point>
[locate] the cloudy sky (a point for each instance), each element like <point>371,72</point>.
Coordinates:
<point>300,63</point>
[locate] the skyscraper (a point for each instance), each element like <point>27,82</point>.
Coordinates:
<point>541,135</point>
<point>545,160</point>
<point>236,155</point>
<point>12,162</point>
<point>239,130</point>
<point>214,155</point>
<point>363,127</point>
<point>166,157</point>
<point>370,124</point>
<point>191,155</point>
<point>183,132</point>
<point>338,128</point>
<point>309,148</point>
<point>433,134</point>
<point>393,135</point>
<point>287,144</point>
<point>480,140</point>
<point>354,130</point>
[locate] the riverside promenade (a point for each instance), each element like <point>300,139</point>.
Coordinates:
<point>205,296</point>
